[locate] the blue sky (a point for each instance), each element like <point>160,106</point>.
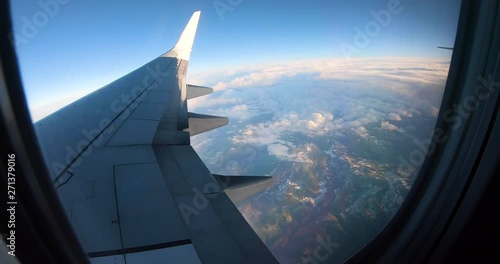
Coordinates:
<point>79,46</point>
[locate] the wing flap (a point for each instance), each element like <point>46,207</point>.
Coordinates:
<point>194,91</point>
<point>199,123</point>
<point>239,187</point>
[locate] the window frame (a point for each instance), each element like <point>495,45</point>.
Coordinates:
<point>437,209</point>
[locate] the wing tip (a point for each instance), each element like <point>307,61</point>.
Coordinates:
<point>184,44</point>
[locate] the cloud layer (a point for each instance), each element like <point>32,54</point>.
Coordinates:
<point>318,97</point>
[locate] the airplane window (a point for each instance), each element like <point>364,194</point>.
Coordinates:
<point>337,101</point>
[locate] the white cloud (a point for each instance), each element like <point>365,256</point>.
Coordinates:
<point>434,111</point>
<point>215,99</point>
<point>311,125</point>
<point>270,133</point>
<point>259,78</point>
<point>319,121</point>
<point>361,131</point>
<point>394,117</point>
<point>281,151</point>
<point>405,113</point>
<point>388,126</point>
<point>240,112</point>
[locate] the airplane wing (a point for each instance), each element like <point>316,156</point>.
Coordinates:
<point>133,188</point>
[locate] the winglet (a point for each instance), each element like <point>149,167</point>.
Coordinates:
<point>182,49</point>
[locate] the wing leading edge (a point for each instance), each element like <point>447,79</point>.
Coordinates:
<point>133,188</point>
